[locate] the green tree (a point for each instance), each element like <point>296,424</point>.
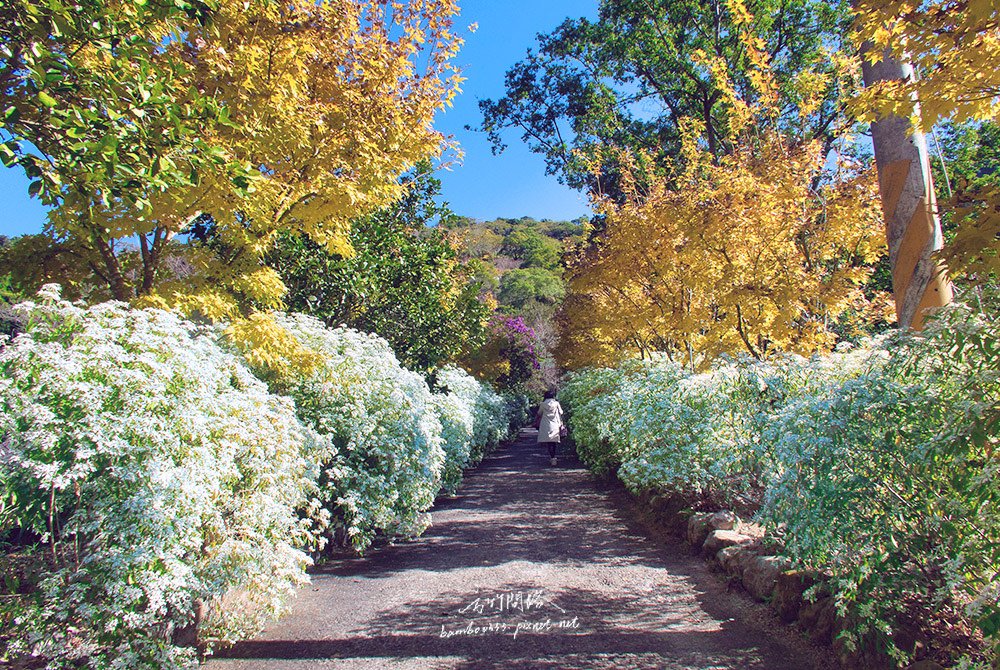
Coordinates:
<point>88,104</point>
<point>629,79</point>
<point>564,231</point>
<point>10,323</point>
<point>98,117</point>
<point>30,261</point>
<point>534,248</point>
<point>971,153</point>
<point>527,287</point>
<point>480,242</point>
<point>967,188</point>
<point>131,117</point>
<point>404,281</point>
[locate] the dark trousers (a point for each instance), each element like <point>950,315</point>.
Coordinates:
<point>552,448</point>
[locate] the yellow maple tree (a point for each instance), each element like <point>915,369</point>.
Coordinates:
<point>324,105</point>
<point>740,255</point>
<point>757,251</point>
<point>954,46</point>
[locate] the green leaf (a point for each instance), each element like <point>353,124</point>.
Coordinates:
<point>31,169</point>
<point>108,145</point>
<point>47,99</point>
<point>7,155</point>
<point>990,624</point>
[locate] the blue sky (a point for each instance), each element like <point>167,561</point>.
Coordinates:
<point>484,186</point>
<point>513,183</point>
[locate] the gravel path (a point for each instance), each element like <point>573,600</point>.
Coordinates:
<point>531,566</point>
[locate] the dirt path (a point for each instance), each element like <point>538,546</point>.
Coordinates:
<point>531,566</point>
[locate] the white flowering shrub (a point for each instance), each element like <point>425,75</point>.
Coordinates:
<point>163,488</point>
<point>699,435</point>
<point>661,426</point>
<point>385,460</point>
<point>473,418</point>
<point>159,478</point>
<point>519,409</point>
<point>669,437</point>
<point>393,444</point>
<point>455,406</point>
<point>456,433</point>
<point>596,414</point>
<point>876,464</point>
<point>491,423</point>
<point>889,479</point>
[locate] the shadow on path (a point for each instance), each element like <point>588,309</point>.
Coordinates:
<point>516,506</point>
<point>531,566</point>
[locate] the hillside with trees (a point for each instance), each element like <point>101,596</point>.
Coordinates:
<point>520,265</point>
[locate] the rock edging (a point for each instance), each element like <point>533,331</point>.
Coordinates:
<point>766,577</point>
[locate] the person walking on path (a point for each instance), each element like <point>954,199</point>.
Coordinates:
<point>550,424</point>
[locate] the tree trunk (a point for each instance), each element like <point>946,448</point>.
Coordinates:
<point>150,254</point>
<point>116,282</point>
<point>112,266</point>
<point>912,228</point>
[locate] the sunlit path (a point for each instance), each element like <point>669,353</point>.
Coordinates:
<point>557,555</point>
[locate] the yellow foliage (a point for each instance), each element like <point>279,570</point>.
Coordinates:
<point>207,304</point>
<point>975,250</point>
<point>492,304</point>
<point>488,365</point>
<point>739,255</point>
<point>272,349</point>
<point>218,289</point>
<point>262,286</point>
<point>723,255</point>
<point>328,103</point>
<point>954,45</point>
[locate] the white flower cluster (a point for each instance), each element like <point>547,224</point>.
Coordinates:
<point>877,463</point>
<point>164,482</point>
<point>473,418</point>
<point>392,443</point>
<point>159,473</point>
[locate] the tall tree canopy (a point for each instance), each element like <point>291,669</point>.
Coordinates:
<point>92,107</point>
<point>756,251</point>
<point>134,116</point>
<point>629,80</point>
<point>954,47</point>
<point>745,258</point>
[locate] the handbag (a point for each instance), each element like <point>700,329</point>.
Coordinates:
<point>563,432</point>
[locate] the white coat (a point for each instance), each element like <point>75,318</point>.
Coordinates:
<point>551,413</point>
